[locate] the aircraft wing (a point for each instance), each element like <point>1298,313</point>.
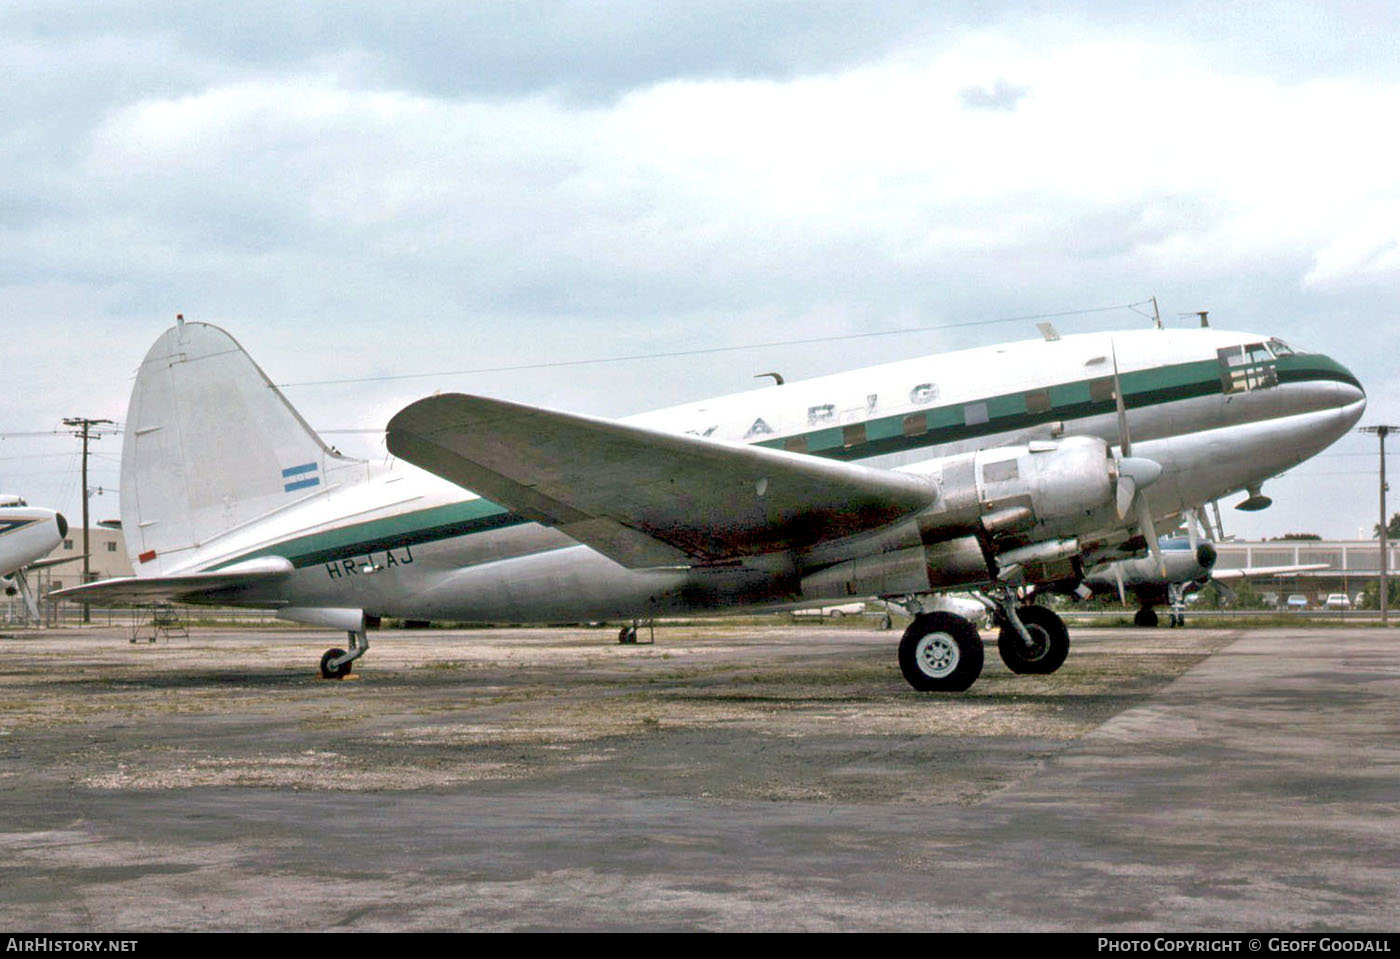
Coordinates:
<point>219,586</point>
<point>1246,572</point>
<point>643,497</point>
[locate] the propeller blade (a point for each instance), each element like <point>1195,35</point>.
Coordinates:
<point>1118,575</point>
<point>1127,490</point>
<point>1193,530</point>
<point>1135,474</point>
<point>1125,442</point>
<point>22,582</point>
<point>1225,591</point>
<point>1149,531</point>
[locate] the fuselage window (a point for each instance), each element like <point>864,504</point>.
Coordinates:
<point>1249,367</point>
<point>1101,389</point>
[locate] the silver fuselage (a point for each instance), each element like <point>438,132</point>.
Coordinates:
<point>1217,415</point>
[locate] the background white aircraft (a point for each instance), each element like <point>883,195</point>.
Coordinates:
<point>1190,566</point>
<point>27,535</point>
<point>994,469</point>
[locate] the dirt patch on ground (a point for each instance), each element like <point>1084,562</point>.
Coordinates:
<point>740,711</point>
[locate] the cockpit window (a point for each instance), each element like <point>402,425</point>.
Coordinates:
<point>1281,348</point>
<point>1247,367</point>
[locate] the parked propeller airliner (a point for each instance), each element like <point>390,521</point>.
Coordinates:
<point>27,534</point>
<point>995,469</point>
<point>1190,565</point>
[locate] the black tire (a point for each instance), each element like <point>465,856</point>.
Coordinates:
<point>1050,642</point>
<point>627,635</point>
<point>340,672</point>
<point>940,653</point>
<point>1145,618</point>
<point>887,622</point>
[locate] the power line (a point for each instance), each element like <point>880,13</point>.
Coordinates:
<point>86,429</point>
<point>708,350</point>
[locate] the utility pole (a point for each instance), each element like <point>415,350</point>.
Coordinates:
<point>1382,432</point>
<point>83,427</point>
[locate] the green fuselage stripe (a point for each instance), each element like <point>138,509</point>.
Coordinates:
<point>883,436</point>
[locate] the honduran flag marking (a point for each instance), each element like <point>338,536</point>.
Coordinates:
<point>299,477</point>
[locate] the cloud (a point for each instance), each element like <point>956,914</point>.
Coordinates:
<point>431,186</point>
<point>1002,96</point>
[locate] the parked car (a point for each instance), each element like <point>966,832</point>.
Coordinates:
<point>1337,601</point>
<point>832,612</point>
<point>1297,601</point>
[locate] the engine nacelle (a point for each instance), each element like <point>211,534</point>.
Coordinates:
<point>1023,494</point>
<point>1021,505</point>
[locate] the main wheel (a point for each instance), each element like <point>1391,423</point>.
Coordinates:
<point>627,635</point>
<point>940,652</point>
<point>1049,642</point>
<point>1145,617</point>
<point>339,672</point>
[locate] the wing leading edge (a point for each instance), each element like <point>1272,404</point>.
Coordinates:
<point>643,497</point>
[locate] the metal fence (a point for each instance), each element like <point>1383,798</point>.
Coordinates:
<point>54,615</point>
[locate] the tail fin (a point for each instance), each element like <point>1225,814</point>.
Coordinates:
<point>211,446</point>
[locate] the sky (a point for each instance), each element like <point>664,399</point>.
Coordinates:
<point>408,197</point>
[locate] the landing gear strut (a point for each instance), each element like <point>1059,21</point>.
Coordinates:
<point>335,662</point>
<point>1176,596</point>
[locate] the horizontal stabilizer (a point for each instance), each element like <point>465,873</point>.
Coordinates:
<point>46,563</point>
<point>220,586</point>
<point>644,497</point>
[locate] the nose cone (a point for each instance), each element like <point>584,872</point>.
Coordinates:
<point>1206,555</point>
<point>1349,394</point>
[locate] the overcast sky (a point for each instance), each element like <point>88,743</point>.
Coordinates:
<point>361,190</point>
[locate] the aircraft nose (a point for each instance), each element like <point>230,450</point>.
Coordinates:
<point>1351,396</point>
<point>1344,392</point>
<point>1206,555</point>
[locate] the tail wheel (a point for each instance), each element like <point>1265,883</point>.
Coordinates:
<point>941,652</point>
<point>1049,642</point>
<point>338,672</point>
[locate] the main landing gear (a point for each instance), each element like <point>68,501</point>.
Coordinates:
<point>630,635</point>
<point>335,662</point>
<point>1043,646</point>
<point>1146,618</point>
<point>942,652</point>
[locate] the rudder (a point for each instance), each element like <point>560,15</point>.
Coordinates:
<point>211,446</point>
